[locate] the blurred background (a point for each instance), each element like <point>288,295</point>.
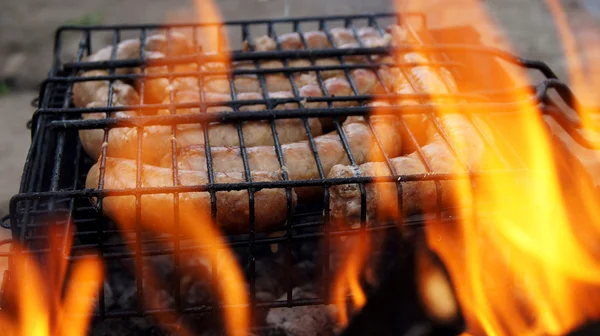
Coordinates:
<point>27,30</point>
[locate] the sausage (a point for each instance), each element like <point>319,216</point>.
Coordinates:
<point>97,94</point>
<point>424,78</point>
<point>261,43</point>
<point>156,143</point>
<point>343,38</point>
<point>155,90</point>
<point>291,41</point>
<point>233,209</point>
<point>371,38</point>
<point>417,196</point>
<point>92,139</point>
<point>274,82</point>
<point>313,39</point>
<point>297,156</point>
<point>87,92</point>
<point>128,49</point>
<point>365,80</point>
<point>157,46</point>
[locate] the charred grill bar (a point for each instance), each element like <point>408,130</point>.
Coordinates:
<point>53,183</point>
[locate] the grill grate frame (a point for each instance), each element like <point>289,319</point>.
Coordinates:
<point>56,153</point>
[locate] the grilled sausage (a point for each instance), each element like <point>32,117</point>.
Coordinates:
<point>92,139</point>
<point>291,41</point>
<point>423,79</point>
<point>298,157</point>
<point>251,83</point>
<point>155,46</point>
<point>87,92</point>
<point>417,196</point>
<point>319,40</point>
<point>156,143</point>
<point>233,209</point>
<point>97,94</point>
<point>342,37</point>
<point>365,81</point>
<point>157,89</point>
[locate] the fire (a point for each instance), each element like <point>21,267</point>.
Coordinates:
<point>526,227</point>
<point>196,225</point>
<point>523,254</point>
<point>577,54</point>
<point>347,278</point>
<point>36,293</point>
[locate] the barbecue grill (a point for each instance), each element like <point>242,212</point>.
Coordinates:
<point>53,181</point>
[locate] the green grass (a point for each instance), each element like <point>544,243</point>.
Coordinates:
<point>4,89</point>
<point>86,20</point>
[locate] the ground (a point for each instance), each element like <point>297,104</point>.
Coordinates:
<point>27,28</point>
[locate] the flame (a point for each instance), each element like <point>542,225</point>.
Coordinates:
<point>207,11</point>
<point>577,54</point>
<point>528,227</point>
<point>347,278</point>
<point>523,254</point>
<point>36,291</point>
<point>196,225</point>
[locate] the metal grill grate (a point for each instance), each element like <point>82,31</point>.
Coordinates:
<point>53,183</point>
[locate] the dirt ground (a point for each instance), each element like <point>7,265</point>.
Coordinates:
<point>27,28</point>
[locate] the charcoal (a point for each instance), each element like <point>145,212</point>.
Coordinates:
<point>197,293</point>
<point>129,326</point>
<point>309,250</point>
<point>161,267</point>
<point>109,299</point>
<point>302,320</point>
<point>268,275</point>
<point>204,324</point>
<point>129,298</point>
<point>272,280</point>
<point>161,299</point>
<point>265,297</point>
<point>304,272</point>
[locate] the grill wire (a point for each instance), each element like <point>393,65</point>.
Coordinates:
<point>53,181</point>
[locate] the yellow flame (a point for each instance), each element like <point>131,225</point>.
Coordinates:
<point>347,279</point>
<point>525,224</point>
<point>42,311</point>
<point>577,56</point>
<point>523,255</point>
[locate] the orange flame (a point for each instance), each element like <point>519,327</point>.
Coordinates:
<point>347,278</point>
<point>196,224</point>
<point>523,255</point>
<point>577,55</point>
<point>42,310</point>
<point>522,226</point>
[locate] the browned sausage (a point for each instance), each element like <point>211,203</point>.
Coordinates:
<point>297,156</point>
<point>156,143</point>
<point>382,198</point>
<point>233,209</point>
<point>155,46</point>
